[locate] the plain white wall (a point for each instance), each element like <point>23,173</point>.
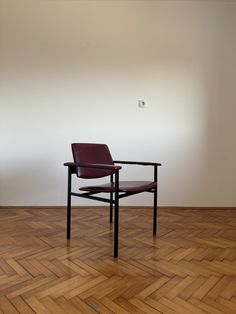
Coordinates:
<point>73,71</point>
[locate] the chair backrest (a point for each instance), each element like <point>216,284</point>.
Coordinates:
<point>92,153</point>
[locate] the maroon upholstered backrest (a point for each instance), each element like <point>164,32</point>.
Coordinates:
<point>92,153</point>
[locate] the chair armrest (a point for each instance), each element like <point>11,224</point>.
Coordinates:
<point>90,165</point>
<point>143,163</point>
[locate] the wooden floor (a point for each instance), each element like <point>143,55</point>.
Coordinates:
<point>189,268</point>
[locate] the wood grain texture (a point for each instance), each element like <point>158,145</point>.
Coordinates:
<point>190,267</point>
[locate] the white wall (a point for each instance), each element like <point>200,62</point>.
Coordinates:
<point>74,71</point>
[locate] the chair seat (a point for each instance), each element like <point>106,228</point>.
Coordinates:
<point>124,186</point>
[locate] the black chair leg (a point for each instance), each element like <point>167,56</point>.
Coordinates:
<point>116,231</point>
<point>111,201</point>
<point>68,221</point>
<point>155,213</point>
<point>69,204</point>
<point>111,207</point>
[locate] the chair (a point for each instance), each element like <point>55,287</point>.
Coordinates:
<point>93,161</point>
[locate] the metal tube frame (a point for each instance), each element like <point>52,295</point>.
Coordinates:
<point>155,203</point>
<point>69,203</point>
<point>111,201</point>
<point>116,230</point>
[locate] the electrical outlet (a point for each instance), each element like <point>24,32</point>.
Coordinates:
<point>142,104</point>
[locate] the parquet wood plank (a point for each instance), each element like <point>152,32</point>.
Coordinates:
<point>35,282</point>
<point>233,299</point>
<point>15,284</point>
<point>157,266</point>
<point>177,308</point>
<point>113,306</point>
<point>190,267</point>
<point>181,286</point>
<point>130,287</point>
<point>216,291</point>
<point>76,269</point>
<point>41,269</point>
<point>51,305</point>
<point>91,283</point>
<point>149,271</point>
<point>217,305</point>
<point>221,268</point>
<point>125,287</point>
<point>50,283</point>
<point>159,306</point>
<point>198,268</point>
<point>6,306</point>
<point>98,306</point>
<point>37,306</point>
<point>127,268</point>
<point>202,291</point>
<point>5,268</point>
<point>124,303</point>
<point>183,253</point>
<point>205,307</point>
<point>192,288</point>
<point>144,306</point>
<point>188,306</point>
<point>153,287</point>
<point>164,289</point>
<point>103,288</point>
<point>84,307</point>
<point>21,306</point>
<point>63,287</point>
<point>230,289</point>
<point>68,307</point>
<point>56,269</point>
<point>86,267</point>
<point>17,267</point>
<point>228,303</point>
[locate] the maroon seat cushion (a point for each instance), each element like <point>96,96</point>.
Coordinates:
<point>124,186</point>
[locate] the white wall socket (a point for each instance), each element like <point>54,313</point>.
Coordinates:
<point>142,104</point>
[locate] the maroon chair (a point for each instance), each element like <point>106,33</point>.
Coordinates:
<point>94,161</point>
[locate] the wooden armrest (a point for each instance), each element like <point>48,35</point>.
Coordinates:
<point>90,165</point>
<point>143,163</point>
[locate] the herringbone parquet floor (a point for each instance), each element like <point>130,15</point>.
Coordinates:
<point>189,268</point>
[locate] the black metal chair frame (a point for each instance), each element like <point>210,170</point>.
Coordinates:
<point>114,199</point>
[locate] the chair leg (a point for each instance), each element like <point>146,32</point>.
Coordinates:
<point>68,219</point>
<point>69,204</point>
<point>111,207</point>
<point>111,201</point>
<point>116,231</point>
<point>155,213</point>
